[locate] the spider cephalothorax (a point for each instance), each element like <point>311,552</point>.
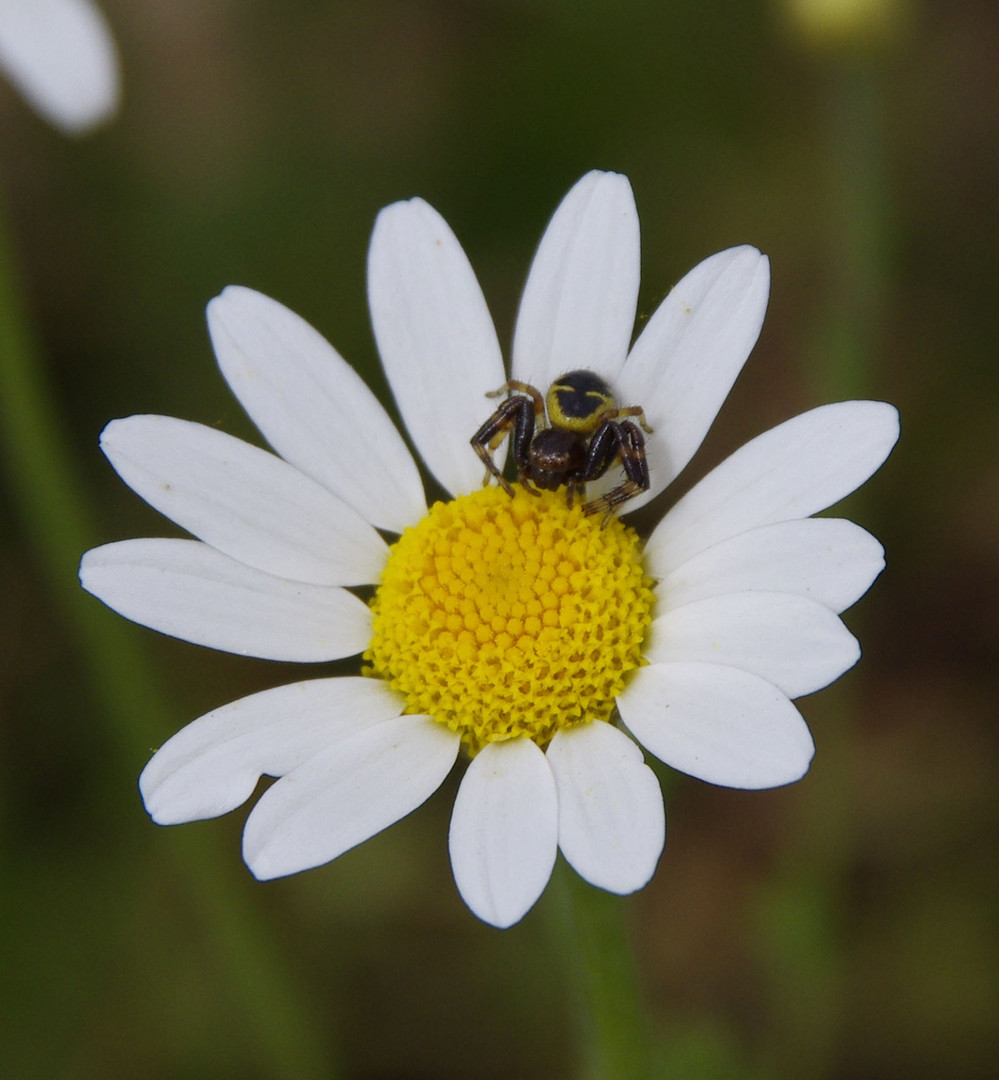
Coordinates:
<point>569,437</point>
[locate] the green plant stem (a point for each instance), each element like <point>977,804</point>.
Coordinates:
<point>859,224</point>
<point>58,527</point>
<point>613,1030</point>
<point>803,907</point>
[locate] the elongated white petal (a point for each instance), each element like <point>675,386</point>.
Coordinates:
<point>790,472</point>
<point>578,307</point>
<point>346,794</point>
<point>828,559</point>
<point>797,644</point>
<point>504,831</point>
<point>212,766</point>
<point>719,724</point>
<point>61,56</point>
<point>611,819</point>
<point>435,336</point>
<point>244,501</point>
<point>313,408</point>
<point>191,591</point>
<point>685,361</point>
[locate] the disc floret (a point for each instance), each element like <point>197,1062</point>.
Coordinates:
<point>506,617</point>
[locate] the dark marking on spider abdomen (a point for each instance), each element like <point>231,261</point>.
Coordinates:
<point>576,400</point>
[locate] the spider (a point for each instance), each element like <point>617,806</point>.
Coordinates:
<point>582,438</point>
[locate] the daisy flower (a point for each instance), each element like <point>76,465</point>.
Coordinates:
<point>60,55</point>
<point>518,632</point>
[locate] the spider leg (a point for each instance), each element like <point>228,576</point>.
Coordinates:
<point>631,410</point>
<point>523,388</point>
<point>514,417</point>
<point>617,441</point>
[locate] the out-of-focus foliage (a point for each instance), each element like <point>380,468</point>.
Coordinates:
<point>841,928</point>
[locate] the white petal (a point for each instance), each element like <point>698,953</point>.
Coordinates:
<point>797,644</point>
<point>685,361</point>
<point>578,307</point>
<point>789,472</point>
<point>61,56</point>
<point>313,408</point>
<point>244,501</point>
<point>191,591</point>
<point>346,794</point>
<point>828,559</point>
<point>717,723</point>
<point>611,819</point>
<point>504,831</point>
<point>212,766</point>
<point>435,336</point>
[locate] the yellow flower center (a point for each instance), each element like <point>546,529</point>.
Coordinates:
<point>502,617</point>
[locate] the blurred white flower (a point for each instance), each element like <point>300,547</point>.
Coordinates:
<point>61,56</point>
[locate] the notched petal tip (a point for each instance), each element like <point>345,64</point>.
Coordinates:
<point>170,801</point>
<point>236,304</point>
<point>400,207</point>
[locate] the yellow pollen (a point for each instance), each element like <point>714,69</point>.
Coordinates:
<point>502,617</point>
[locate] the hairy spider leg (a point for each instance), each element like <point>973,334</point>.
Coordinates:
<point>522,388</point>
<point>617,441</point>
<point>516,417</point>
<point>572,486</point>
<point>630,410</point>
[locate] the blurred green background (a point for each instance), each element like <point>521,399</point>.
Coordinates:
<point>844,927</point>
